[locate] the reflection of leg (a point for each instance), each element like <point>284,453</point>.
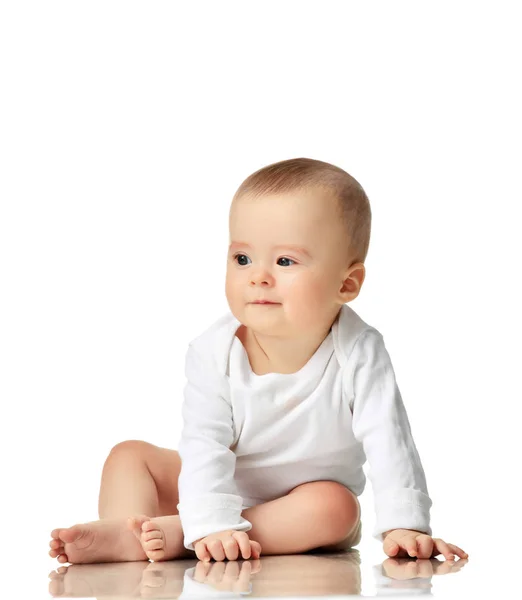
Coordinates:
<point>309,575</point>
<point>313,515</point>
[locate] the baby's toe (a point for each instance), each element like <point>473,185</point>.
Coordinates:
<point>57,548</point>
<point>136,522</point>
<point>54,552</point>
<point>149,526</point>
<point>156,555</point>
<point>154,544</point>
<point>154,534</point>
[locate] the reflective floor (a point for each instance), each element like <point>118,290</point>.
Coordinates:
<point>317,575</point>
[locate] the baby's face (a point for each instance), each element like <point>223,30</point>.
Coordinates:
<point>262,262</point>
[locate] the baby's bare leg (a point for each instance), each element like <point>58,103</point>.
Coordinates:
<point>139,478</point>
<point>313,515</point>
<point>142,479</point>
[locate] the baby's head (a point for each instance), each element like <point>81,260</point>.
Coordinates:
<point>299,236</point>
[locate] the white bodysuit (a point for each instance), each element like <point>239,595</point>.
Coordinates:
<point>248,439</point>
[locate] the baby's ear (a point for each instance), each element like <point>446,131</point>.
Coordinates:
<point>352,283</point>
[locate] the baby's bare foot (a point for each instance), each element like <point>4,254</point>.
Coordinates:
<point>107,540</point>
<point>161,537</point>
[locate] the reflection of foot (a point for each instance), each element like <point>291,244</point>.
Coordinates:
<point>164,579</point>
<point>118,580</point>
<point>161,537</point>
<point>107,540</point>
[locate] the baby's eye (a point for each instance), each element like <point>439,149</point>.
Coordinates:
<point>285,258</point>
<point>244,256</point>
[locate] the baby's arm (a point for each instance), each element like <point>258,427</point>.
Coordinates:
<point>381,424</point>
<point>208,499</point>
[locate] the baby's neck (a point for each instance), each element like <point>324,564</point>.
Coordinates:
<point>268,354</point>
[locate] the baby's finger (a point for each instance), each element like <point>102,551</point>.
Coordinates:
<point>458,551</point>
<point>443,548</point>
<point>424,546</point>
<point>410,545</point>
<point>231,548</point>
<point>390,547</point>
<point>201,551</point>
<point>256,549</point>
<point>215,547</point>
<point>243,541</point>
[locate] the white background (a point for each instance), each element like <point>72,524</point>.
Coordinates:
<point>125,129</point>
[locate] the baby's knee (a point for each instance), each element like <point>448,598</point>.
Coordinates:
<point>128,447</point>
<point>335,505</point>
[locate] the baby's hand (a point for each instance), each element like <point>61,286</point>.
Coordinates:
<point>407,542</point>
<point>226,544</point>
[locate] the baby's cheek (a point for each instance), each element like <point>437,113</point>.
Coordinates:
<point>315,288</point>
<point>308,300</point>
<point>231,289</point>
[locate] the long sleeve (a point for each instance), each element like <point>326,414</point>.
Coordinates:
<point>208,499</point>
<point>381,425</point>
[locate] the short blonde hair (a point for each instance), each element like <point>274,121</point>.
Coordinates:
<point>298,173</point>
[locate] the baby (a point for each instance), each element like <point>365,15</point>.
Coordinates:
<point>287,396</point>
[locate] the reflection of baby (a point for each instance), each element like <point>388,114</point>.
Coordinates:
<point>287,396</point>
